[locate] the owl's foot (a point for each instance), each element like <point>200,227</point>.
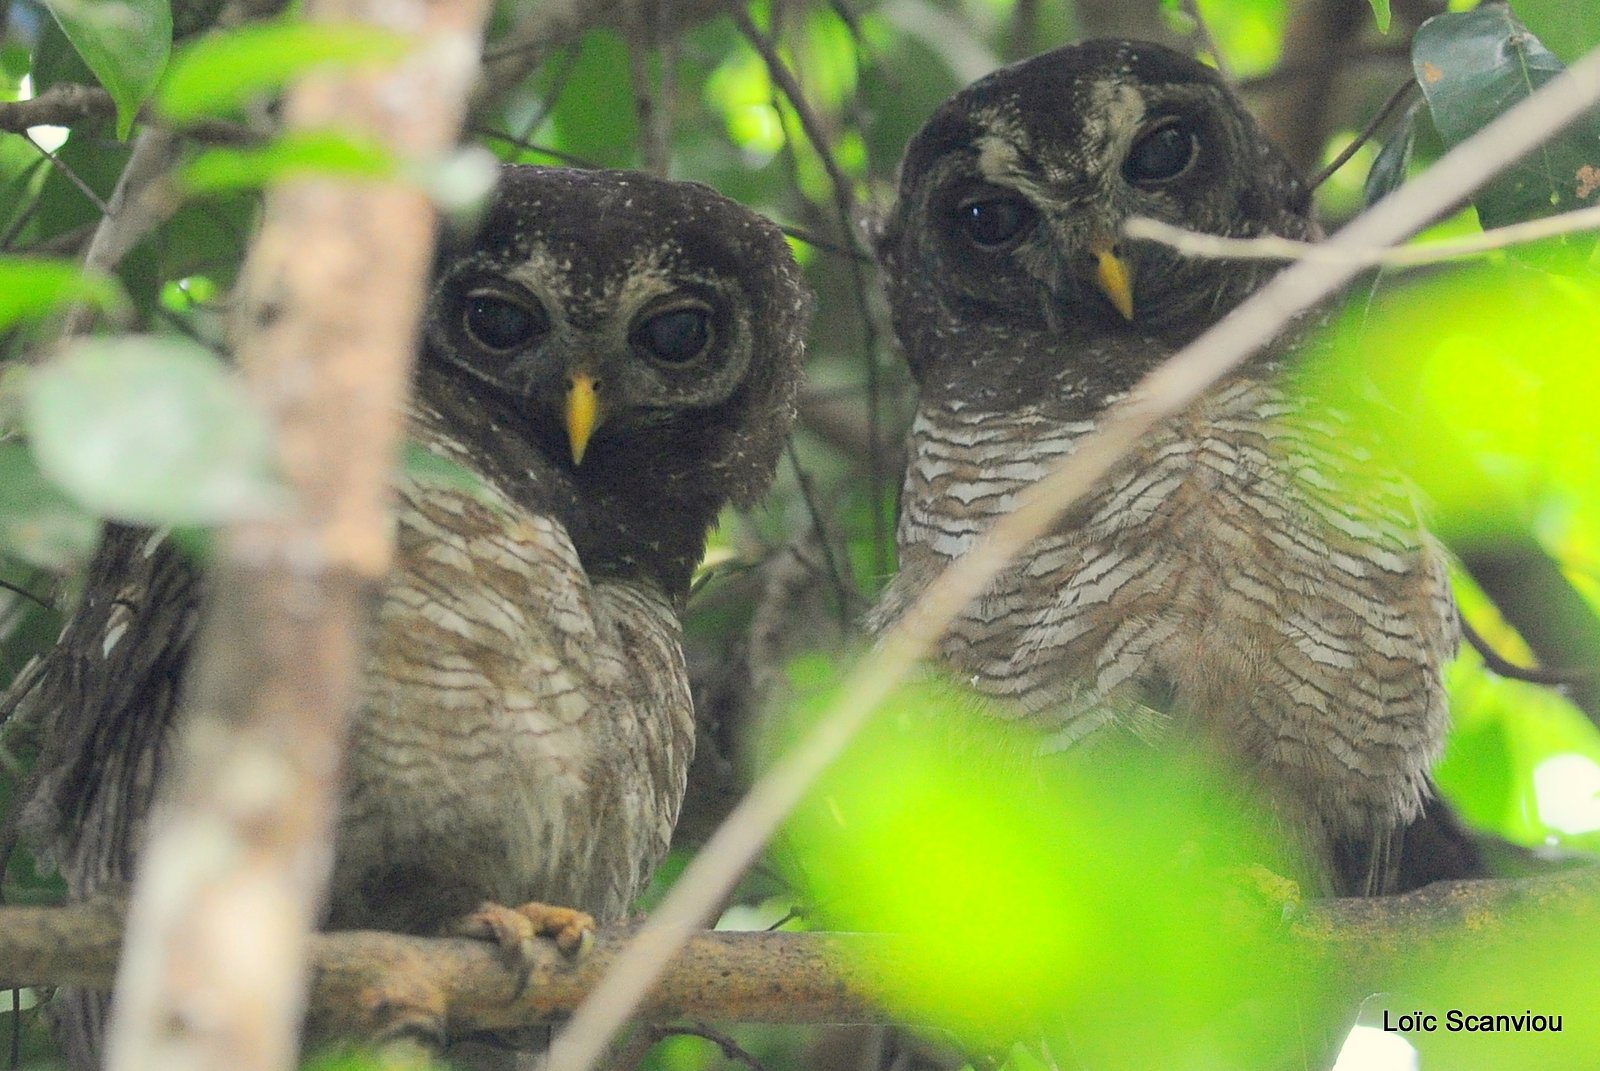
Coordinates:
<point>515,929</point>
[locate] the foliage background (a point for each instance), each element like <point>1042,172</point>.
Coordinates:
<point>800,108</point>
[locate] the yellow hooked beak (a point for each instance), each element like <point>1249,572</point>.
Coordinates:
<point>1114,278</point>
<point>583,413</point>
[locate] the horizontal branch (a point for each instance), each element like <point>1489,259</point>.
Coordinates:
<point>373,985</point>
<point>69,104</point>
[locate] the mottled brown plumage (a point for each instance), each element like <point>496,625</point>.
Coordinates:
<point>525,726</point>
<point>1231,578</point>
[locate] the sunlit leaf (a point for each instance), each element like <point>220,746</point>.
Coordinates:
<point>311,153</point>
<point>151,431</point>
<point>1473,66</point>
<point>38,524</point>
<point>32,287</point>
<point>1485,383</point>
<point>1569,29</point>
<point>1040,892</point>
<point>220,72</point>
<point>124,42</point>
<point>1536,960</point>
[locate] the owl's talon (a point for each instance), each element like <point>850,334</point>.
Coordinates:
<point>517,929</point>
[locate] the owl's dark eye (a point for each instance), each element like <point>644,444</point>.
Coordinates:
<point>1164,153</point>
<point>674,337</point>
<point>995,222</point>
<point>496,322</point>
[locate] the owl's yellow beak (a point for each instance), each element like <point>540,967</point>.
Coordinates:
<point>583,413</point>
<point>1114,278</point>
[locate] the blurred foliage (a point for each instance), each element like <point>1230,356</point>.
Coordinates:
<point>1087,907</point>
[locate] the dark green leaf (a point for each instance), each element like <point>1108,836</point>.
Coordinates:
<point>315,153</point>
<point>31,287</point>
<point>219,73</point>
<point>151,431</point>
<point>38,524</point>
<point>1473,66</point>
<point>124,42</point>
<point>1389,169</point>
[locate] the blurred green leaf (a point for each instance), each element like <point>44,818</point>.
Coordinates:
<point>1473,66</point>
<point>311,153</point>
<point>124,42</point>
<point>1040,892</point>
<point>1484,387</point>
<point>38,524</point>
<point>150,431</point>
<point>31,287</point>
<point>1538,961</point>
<point>216,74</point>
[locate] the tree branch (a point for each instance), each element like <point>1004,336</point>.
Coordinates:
<point>368,985</point>
<point>236,859</point>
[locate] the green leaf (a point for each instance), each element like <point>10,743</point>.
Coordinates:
<point>313,153</point>
<point>124,42</point>
<point>38,524</point>
<point>1473,66</point>
<point>217,74</point>
<point>1389,169</point>
<point>150,431</point>
<point>1035,891</point>
<point>1380,13</point>
<point>419,464</point>
<point>32,287</point>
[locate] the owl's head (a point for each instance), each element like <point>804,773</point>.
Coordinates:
<point>626,317</point>
<point>1013,196</point>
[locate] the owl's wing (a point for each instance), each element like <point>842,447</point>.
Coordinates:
<point>109,690</point>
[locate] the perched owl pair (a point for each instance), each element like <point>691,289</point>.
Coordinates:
<point>615,358</point>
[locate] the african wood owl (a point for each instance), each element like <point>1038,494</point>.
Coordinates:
<point>608,363</point>
<point>1228,580</point>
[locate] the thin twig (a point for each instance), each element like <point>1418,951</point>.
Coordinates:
<point>835,574</point>
<point>529,146</point>
<point>1207,39</point>
<point>1500,666</point>
<point>803,235</point>
<point>1399,97</point>
<point>1272,247</point>
<point>844,202</point>
<point>1166,391</point>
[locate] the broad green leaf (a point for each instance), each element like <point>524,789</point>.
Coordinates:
<point>595,118</point>
<point>1485,381</point>
<point>124,42</point>
<point>39,524</point>
<point>217,74</point>
<point>1473,66</point>
<point>150,431</point>
<point>312,153</point>
<point>31,287</point>
<point>1033,891</point>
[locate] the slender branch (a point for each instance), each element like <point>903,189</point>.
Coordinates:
<point>69,104</point>
<point>1272,247</point>
<point>1400,96</point>
<point>1161,394</point>
<point>1501,666</point>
